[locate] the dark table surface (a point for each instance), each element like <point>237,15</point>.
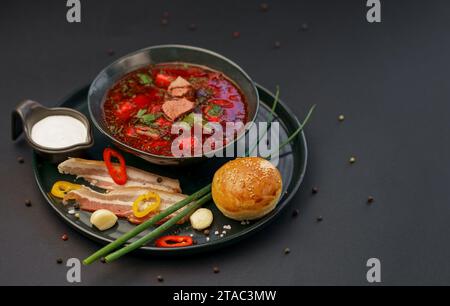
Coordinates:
<point>390,80</point>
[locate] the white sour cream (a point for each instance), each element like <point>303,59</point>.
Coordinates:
<point>57,132</point>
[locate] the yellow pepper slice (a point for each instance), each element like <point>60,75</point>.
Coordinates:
<point>60,188</point>
<point>154,205</point>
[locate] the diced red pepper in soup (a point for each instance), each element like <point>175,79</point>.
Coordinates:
<point>142,101</point>
<point>142,106</point>
<point>163,80</point>
<point>125,110</point>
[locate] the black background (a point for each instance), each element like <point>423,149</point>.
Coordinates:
<point>390,80</point>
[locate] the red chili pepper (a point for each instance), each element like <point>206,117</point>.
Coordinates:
<point>173,241</point>
<point>117,173</point>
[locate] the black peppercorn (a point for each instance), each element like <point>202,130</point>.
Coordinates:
<point>370,199</point>
<point>314,190</point>
<point>59,261</point>
<point>20,160</point>
<point>216,270</point>
<point>27,203</point>
<point>159,179</point>
<point>295,213</point>
<point>319,219</point>
<point>287,250</point>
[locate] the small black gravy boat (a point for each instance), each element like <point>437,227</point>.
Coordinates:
<point>29,112</point>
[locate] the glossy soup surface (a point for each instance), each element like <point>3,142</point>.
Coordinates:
<point>135,115</point>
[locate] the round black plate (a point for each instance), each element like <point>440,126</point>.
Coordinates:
<point>292,166</point>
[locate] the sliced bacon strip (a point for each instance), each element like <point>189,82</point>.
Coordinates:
<point>120,201</point>
<point>96,173</point>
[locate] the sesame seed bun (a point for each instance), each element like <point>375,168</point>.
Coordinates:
<point>246,188</point>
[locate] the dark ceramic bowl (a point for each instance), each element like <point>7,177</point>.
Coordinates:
<point>164,54</point>
<point>29,112</point>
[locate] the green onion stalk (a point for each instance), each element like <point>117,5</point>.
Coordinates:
<point>197,199</point>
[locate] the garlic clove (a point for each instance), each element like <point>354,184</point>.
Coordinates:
<point>201,219</point>
<point>103,219</point>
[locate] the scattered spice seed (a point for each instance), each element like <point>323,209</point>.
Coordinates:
<point>319,219</point>
<point>304,27</point>
<point>192,27</point>
<point>65,237</point>
<point>164,21</point>
<point>341,118</point>
<point>59,261</point>
<point>264,7</point>
<point>277,45</point>
<point>315,190</point>
<point>27,203</point>
<point>103,260</point>
<point>236,34</point>
<point>352,160</point>
<point>216,270</point>
<point>295,213</point>
<point>20,160</point>
<point>287,250</point>
<point>159,179</point>
<point>370,199</point>
<point>160,278</point>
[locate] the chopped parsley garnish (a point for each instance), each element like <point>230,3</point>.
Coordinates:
<point>145,118</point>
<point>148,119</point>
<point>144,79</point>
<point>215,110</point>
<point>141,113</point>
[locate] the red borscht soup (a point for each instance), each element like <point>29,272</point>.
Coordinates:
<point>142,106</point>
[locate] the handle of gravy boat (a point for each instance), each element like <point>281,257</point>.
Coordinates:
<point>20,115</point>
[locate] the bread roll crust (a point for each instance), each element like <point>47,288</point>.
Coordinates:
<point>246,188</point>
